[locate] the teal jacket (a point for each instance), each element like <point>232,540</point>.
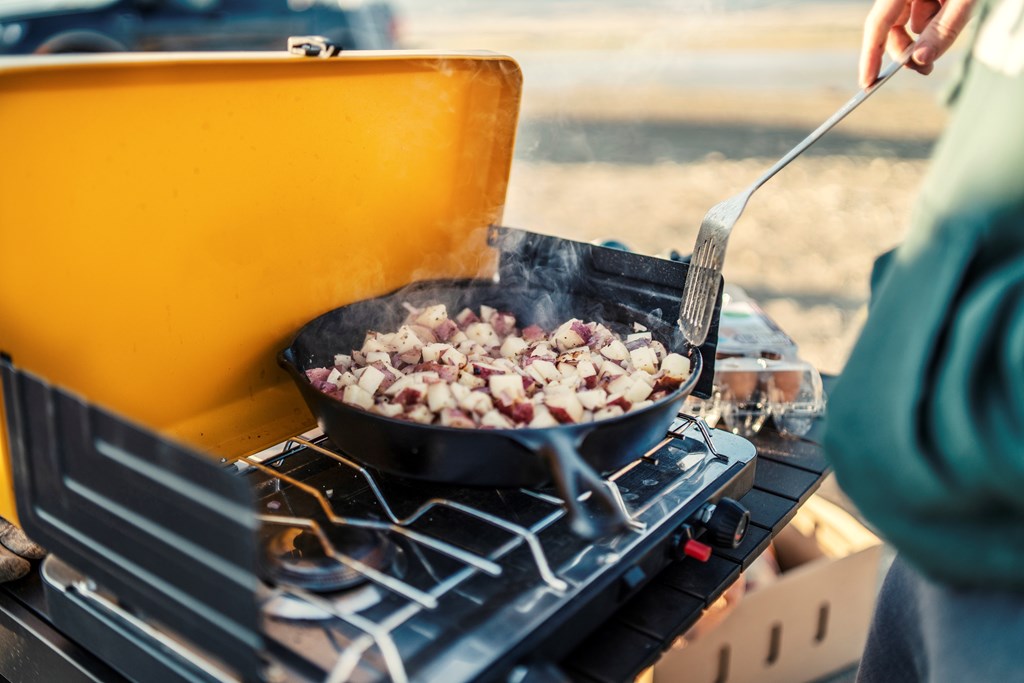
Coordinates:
<point>926,424</point>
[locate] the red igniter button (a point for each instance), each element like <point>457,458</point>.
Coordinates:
<point>697,550</point>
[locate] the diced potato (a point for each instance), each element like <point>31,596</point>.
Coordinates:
<point>425,334</point>
<point>439,397</point>
<point>535,374</point>
<point>388,409</point>
<point>406,340</point>
<point>677,365</point>
<point>586,369</point>
<point>432,316</point>
<point>611,369</point>
<point>640,405</point>
<point>609,411</point>
<point>357,396</point>
<point>433,352</point>
<point>343,360</point>
<point>412,394</point>
<point>645,377</point>
<point>344,379</point>
<point>471,380</point>
<point>410,357</point>
<point>370,380</point>
<point>375,356</point>
<point>636,336</point>
<point>399,385</point>
<point>547,369</point>
<point>372,344</point>
<point>486,312</point>
<point>616,350</point>
<point>575,356</point>
<point>543,350</point>
<point>620,385</point>
<point>565,337</point>
<point>493,418</point>
<point>505,364</point>
<point>638,392</point>
<point>542,418</point>
<point>420,414</point>
<point>483,334</point>
<point>644,359</point>
<point>452,417</point>
<point>453,357</point>
<point>476,402</point>
<point>513,346</point>
<point>593,399</point>
<point>566,408</point>
<point>567,370</point>
<point>506,387</point>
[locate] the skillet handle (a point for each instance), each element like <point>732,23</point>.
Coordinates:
<point>574,477</point>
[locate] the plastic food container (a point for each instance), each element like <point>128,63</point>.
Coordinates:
<point>758,376</point>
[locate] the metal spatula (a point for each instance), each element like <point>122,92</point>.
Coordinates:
<point>701,288</point>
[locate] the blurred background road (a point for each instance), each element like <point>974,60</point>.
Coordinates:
<point>639,116</point>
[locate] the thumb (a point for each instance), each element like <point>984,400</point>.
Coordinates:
<point>15,540</point>
<point>940,33</point>
<point>12,567</point>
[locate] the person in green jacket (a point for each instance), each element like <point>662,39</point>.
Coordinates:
<point>926,424</point>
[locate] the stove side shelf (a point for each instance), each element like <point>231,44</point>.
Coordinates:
<point>162,528</point>
<point>675,599</point>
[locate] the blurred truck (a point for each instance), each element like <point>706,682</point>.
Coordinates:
<point>66,26</point>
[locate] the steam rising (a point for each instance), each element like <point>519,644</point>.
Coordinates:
<point>540,280</point>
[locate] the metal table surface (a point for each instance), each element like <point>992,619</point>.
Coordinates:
<point>788,472</point>
<point>32,651</point>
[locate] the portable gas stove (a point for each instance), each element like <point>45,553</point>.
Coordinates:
<point>372,578</point>
<point>139,400</point>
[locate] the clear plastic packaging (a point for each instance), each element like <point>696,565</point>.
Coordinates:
<point>750,391</point>
<point>758,375</point>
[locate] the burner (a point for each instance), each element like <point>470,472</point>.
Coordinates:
<point>297,557</point>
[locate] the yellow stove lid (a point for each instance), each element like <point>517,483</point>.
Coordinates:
<point>168,221</point>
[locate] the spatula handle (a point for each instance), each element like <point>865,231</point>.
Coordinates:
<point>855,101</point>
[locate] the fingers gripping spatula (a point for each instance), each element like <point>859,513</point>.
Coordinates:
<point>701,289</point>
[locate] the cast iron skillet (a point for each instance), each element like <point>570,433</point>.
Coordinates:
<point>570,455</point>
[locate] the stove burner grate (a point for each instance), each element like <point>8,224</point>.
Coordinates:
<point>297,557</point>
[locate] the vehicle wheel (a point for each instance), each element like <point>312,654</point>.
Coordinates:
<point>79,41</point>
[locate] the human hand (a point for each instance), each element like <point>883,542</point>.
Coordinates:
<point>15,551</point>
<point>893,24</point>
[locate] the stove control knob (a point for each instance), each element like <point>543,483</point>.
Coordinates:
<point>726,522</point>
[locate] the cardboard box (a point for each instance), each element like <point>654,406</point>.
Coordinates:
<point>810,622</point>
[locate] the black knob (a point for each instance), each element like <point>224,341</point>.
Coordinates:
<point>728,523</point>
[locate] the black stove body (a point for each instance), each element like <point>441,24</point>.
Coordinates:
<point>296,564</point>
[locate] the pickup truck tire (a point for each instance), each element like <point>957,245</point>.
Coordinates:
<point>79,41</point>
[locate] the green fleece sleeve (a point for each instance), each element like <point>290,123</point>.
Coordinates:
<point>926,425</point>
